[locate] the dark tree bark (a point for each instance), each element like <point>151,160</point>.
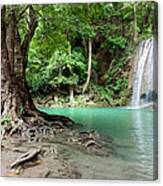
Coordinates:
<point>16,100</point>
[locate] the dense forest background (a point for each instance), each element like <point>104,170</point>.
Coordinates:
<point>81,54</point>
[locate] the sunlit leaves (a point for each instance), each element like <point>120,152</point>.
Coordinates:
<point>59,49</point>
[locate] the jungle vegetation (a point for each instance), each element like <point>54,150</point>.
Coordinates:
<point>82,53</point>
<point>70,54</point>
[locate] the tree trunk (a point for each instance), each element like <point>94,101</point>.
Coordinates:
<point>16,100</point>
<point>71,87</point>
<point>89,66</point>
<point>135,23</point>
<point>71,90</point>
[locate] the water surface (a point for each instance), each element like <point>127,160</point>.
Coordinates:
<point>132,133</point>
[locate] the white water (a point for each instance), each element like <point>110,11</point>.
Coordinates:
<point>143,73</point>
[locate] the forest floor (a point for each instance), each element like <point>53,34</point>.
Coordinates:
<point>56,157</point>
<point>79,101</point>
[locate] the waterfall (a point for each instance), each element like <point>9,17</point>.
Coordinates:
<point>143,73</point>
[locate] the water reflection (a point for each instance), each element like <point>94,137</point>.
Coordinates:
<point>143,137</point>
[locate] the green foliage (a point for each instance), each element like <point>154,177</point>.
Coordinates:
<point>6,120</point>
<point>117,41</point>
<point>87,31</point>
<point>103,94</point>
<point>60,69</point>
<point>21,109</point>
<point>58,53</point>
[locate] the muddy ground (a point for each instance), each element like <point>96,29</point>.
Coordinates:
<point>55,157</point>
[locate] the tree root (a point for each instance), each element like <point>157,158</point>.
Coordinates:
<point>54,118</point>
<point>38,117</point>
<point>16,127</point>
<point>91,142</point>
<point>2,132</point>
<point>25,157</point>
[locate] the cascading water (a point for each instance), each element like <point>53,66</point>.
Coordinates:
<point>143,73</point>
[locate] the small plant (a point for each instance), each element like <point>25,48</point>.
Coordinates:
<point>6,120</point>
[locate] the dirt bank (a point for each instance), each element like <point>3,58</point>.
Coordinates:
<point>53,158</point>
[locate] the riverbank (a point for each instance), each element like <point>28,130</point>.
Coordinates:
<point>105,143</point>
<point>53,158</point>
<point>84,101</point>
<point>62,161</point>
<point>48,163</point>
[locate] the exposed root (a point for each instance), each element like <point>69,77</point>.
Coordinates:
<point>2,132</point>
<point>25,157</point>
<point>53,118</point>
<point>16,127</point>
<point>90,143</point>
<point>41,118</point>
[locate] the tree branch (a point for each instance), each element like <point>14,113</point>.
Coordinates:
<point>28,37</point>
<point>21,13</point>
